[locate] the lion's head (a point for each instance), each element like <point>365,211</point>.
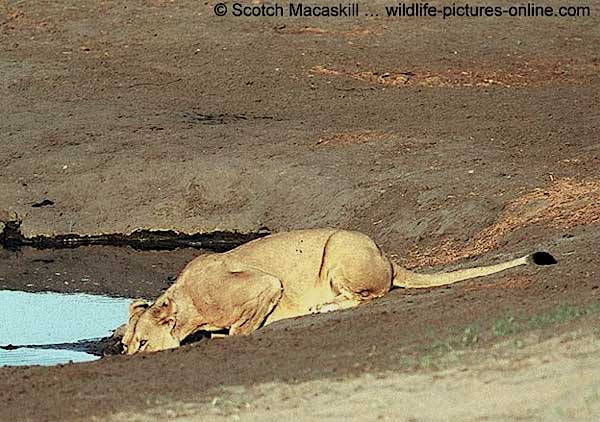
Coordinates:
<point>150,327</point>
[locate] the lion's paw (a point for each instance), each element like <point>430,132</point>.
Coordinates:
<point>328,307</point>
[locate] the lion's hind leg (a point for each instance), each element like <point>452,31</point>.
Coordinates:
<point>355,270</point>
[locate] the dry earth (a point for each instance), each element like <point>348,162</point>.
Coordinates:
<point>553,380</point>
<point>450,142</point>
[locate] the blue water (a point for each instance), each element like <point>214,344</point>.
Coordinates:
<point>52,318</point>
<point>34,356</point>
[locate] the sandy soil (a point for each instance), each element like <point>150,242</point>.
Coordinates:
<point>451,143</point>
<point>553,380</point>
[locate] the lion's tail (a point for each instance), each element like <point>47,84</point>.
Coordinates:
<point>409,279</point>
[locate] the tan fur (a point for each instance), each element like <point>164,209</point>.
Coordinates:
<point>279,276</point>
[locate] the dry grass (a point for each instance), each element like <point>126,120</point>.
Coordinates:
<point>352,138</point>
<point>376,78</point>
<point>565,204</point>
<point>526,73</point>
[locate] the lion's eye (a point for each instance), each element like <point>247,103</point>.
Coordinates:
<point>143,343</point>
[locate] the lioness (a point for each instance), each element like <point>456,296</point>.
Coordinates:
<point>275,277</point>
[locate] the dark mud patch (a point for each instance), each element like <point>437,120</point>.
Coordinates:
<point>141,264</point>
<point>105,346</point>
<point>11,238</point>
<point>95,269</point>
<point>220,119</point>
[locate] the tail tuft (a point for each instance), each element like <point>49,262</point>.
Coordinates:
<point>543,258</point>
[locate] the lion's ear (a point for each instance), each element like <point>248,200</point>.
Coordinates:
<point>137,307</point>
<point>163,310</point>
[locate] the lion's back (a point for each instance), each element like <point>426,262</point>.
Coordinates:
<point>294,255</point>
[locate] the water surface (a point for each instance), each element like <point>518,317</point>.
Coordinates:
<point>38,319</point>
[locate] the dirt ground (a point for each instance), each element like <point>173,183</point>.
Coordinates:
<point>506,386</point>
<point>450,142</point>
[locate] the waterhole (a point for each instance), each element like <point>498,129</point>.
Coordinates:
<point>51,328</point>
<point>89,277</point>
<point>86,283</point>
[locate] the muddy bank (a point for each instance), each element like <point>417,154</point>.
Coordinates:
<point>121,272</point>
<point>507,383</point>
<point>392,333</point>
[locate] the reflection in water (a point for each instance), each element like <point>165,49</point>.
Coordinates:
<point>51,318</point>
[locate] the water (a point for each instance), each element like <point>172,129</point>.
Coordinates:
<point>52,318</point>
<point>36,356</point>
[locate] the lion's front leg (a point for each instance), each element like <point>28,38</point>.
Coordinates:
<point>259,295</point>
